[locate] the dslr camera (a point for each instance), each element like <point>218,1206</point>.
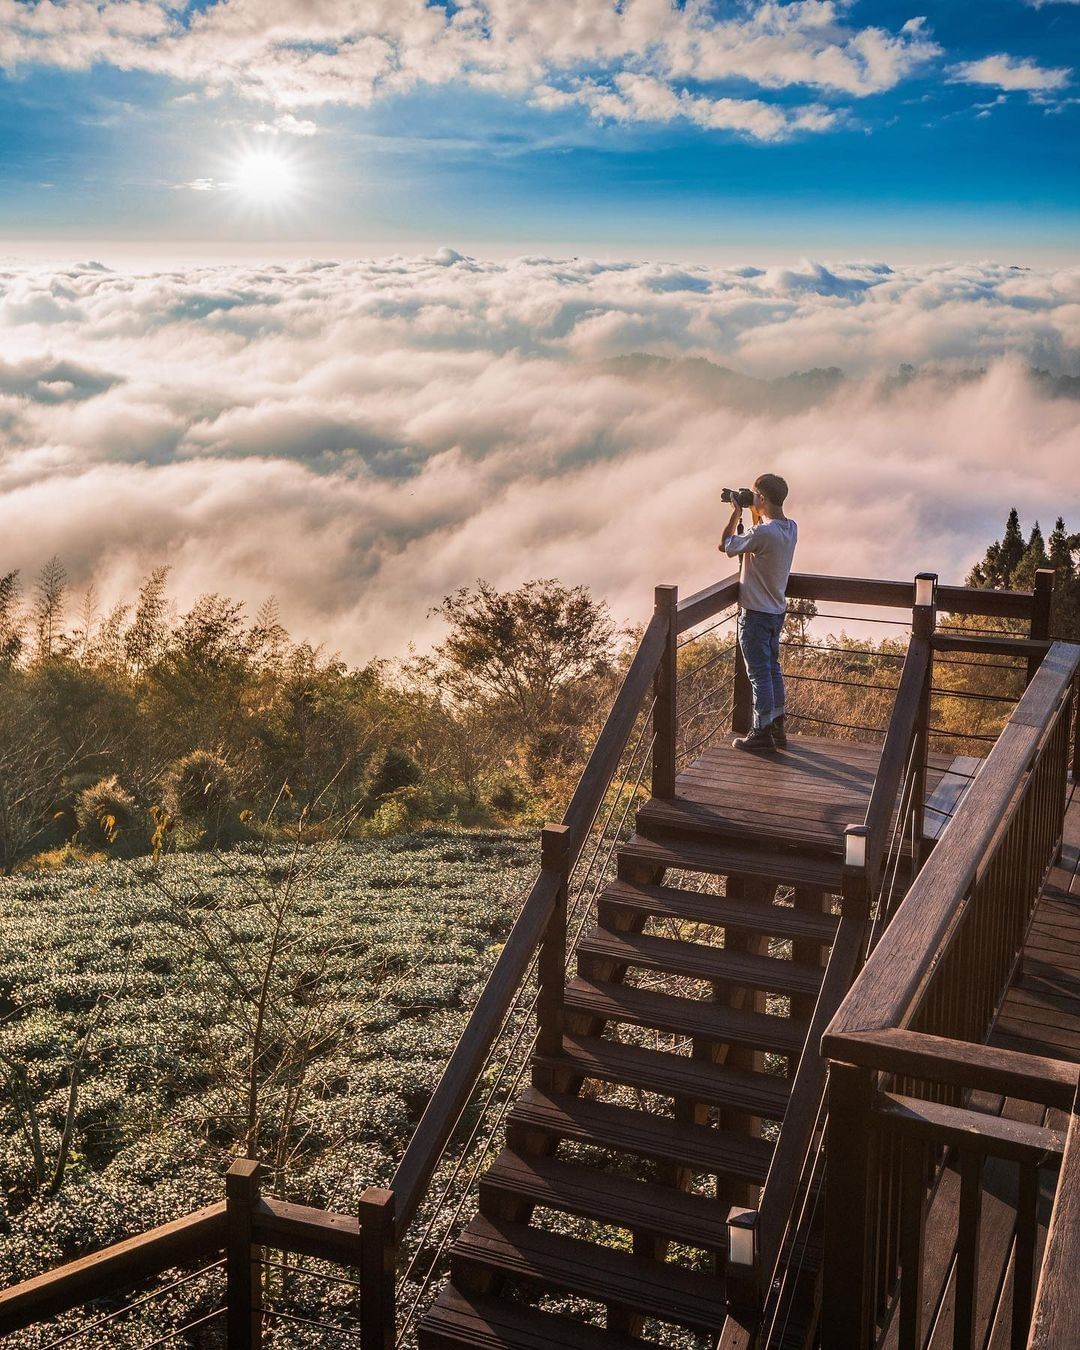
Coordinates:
<point>742,497</point>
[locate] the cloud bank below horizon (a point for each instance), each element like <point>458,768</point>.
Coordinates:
<point>359,438</point>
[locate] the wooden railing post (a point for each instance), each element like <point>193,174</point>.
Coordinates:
<point>243,1318</point>
<point>551,966</point>
<point>378,1269</point>
<point>850,1143</point>
<point>923,623</point>
<point>665,710</point>
<point>1042,608</point>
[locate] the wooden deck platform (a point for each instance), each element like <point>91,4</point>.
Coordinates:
<point>802,797</point>
<point>1041,1012</point>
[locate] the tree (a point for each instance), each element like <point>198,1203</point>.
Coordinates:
<point>517,649</point>
<point>1035,557</point>
<point>145,640</point>
<point>1003,568</point>
<point>50,594</point>
<point>11,623</point>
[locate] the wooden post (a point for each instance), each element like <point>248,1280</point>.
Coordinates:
<point>551,967</point>
<point>742,707</point>
<point>243,1319</point>
<point>378,1269</point>
<point>665,711</point>
<point>923,624</point>
<point>848,1292</point>
<point>1042,607</point>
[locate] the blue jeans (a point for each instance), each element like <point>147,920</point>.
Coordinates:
<point>759,640</point>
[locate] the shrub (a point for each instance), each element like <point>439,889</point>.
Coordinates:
<point>389,770</point>
<point>106,814</point>
<point>508,795</point>
<point>198,786</point>
<point>66,818</point>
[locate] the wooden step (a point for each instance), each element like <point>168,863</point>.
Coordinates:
<point>784,867</point>
<point>653,1288</point>
<point>685,1016</point>
<point>676,1076</point>
<point>698,961</point>
<point>700,1147</point>
<point>732,820</point>
<point>723,911</point>
<point>641,1206</point>
<point>475,1322</point>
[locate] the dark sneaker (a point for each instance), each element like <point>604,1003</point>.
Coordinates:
<point>761,738</point>
<point>779,732</point>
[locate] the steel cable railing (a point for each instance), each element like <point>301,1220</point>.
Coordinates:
<point>110,1319</point>
<point>586,883</point>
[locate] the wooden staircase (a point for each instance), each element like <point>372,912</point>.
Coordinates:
<point>602,1222</point>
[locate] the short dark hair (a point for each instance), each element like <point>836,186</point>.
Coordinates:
<point>772,486</point>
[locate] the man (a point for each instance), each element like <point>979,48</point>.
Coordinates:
<point>766,551</point>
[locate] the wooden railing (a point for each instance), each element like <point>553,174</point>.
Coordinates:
<point>904,1044</point>
<point>539,938</point>
<point>231,1237</point>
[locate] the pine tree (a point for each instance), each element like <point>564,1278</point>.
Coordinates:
<point>1023,574</point>
<point>1062,546</point>
<point>1012,547</point>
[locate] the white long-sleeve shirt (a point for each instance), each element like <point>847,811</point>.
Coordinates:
<point>765,552</point>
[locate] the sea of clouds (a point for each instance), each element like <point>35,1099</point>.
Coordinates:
<point>359,438</point>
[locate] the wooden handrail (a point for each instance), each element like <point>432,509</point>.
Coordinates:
<point>288,1227</point>
<point>463,1069</point>
<point>872,592</point>
<point>962,1064</point>
<point>987,646</point>
<point>192,1238</point>
<point>455,1087</point>
<point>890,983</point>
<point>612,741</point>
<point>704,604</point>
<point>894,754</point>
<point>1054,1317</point>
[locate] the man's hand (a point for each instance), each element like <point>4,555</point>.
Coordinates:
<point>730,528</point>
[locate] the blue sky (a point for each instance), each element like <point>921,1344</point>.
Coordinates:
<point>570,125</point>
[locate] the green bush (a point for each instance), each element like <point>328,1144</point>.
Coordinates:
<point>508,795</point>
<point>389,770</point>
<point>106,814</point>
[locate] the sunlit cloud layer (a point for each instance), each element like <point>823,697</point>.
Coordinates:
<point>647,60</point>
<point>359,438</point>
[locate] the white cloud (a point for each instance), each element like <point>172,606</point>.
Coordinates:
<point>295,57</point>
<point>1011,73</point>
<point>361,437</point>
<point>288,125</point>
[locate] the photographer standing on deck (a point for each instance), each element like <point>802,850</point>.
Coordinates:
<point>766,551</point>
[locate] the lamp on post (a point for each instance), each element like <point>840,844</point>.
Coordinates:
<point>925,589</point>
<point>854,882</point>
<point>855,846</point>
<point>743,1257</point>
<point>924,614</point>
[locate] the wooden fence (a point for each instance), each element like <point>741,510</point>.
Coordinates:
<point>905,1046</point>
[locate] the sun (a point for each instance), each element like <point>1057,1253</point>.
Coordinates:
<point>264,176</point>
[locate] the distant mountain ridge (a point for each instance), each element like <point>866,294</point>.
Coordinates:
<point>797,391</point>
